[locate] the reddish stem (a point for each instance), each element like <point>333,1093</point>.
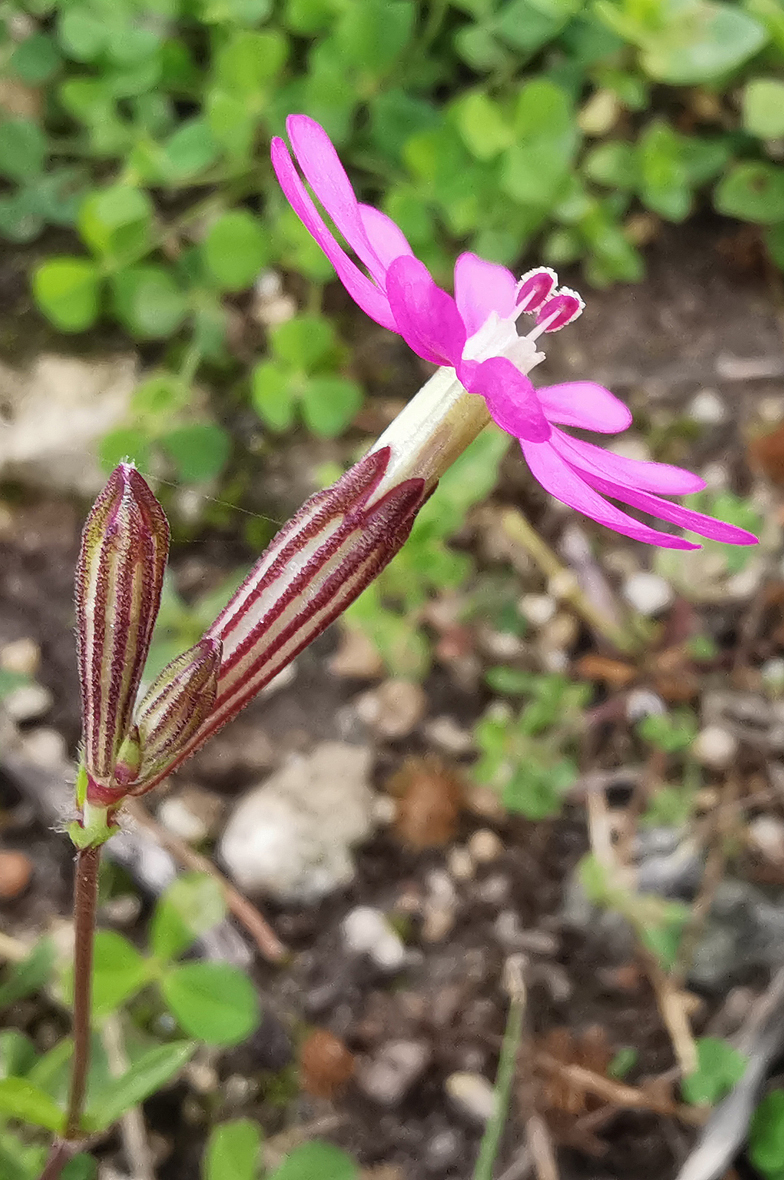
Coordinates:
<point>85,900</point>
<point>59,1155</point>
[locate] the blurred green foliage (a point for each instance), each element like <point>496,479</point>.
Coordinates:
<point>528,756</point>
<point>213,1002</point>
<point>555,128</point>
<point>766,1138</point>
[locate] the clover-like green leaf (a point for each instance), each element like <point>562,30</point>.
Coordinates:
<point>191,906</point>
<point>232,1151</point>
<point>67,290</point>
<point>212,1001</point>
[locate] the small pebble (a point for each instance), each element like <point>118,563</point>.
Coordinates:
<point>440,910</point>
<point>356,658</point>
<point>460,863</point>
<point>538,609</point>
<point>367,931</point>
<point>642,702</point>
<point>122,910</point>
<point>389,1075</point>
<point>715,747</point>
<point>175,815</point>
<point>473,1094</point>
<point>630,446</point>
<point>708,408</point>
<point>772,672</point>
<point>45,747</point>
<point>28,702</point>
<point>766,836</point>
<point>443,1150</point>
<point>485,846</point>
<point>202,1077</point>
<point>23,656</point>
<point>502,645</point>
<point>447,735</point>
<point>16,869</point>
<point>648,593</point>
<point>494,890</point>
<point>394,709</point>
<point>561,631</point>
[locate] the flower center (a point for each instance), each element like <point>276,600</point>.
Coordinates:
<point>537,294</point>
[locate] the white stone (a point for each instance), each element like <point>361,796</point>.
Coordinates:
<point>57,410</point>
<point>366,931</point>
<point>394,709</point>
<point>357,657</point>
<point>538,609</point>
<point>649,594</point>
<point>766,836</point>
<point>460,863</point>
<point>46,747</point>
<point>473,1094</point>
<point>447,735</point>
<point>716,476</point>
<point>291,838</point>
<point>485,846</point>
<point>715,747</point>
<point>440,909</point>
<point>27,702</point>
<point>22,656</point>
<point>708,408</point>
<point>176,817</point>
<point>387,1077</point>
<point>643,702</point>
<point>772,672</point>
<point>630,446</point>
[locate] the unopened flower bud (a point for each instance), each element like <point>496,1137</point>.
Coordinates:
<point>118,590</point>
<point>176,705</point>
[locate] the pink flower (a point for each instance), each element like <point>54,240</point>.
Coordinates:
<point>475,333</point>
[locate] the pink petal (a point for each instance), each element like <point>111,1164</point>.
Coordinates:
<point>426,317</point>
<point>482,287</point>
<point>327,177</point>
<point>584,404</point>
<point>636,473</point>
<point>386,238</point>
<point>686,518</point>
<point>361,289</point>
<point>510,396</point>
<point>566,485</point>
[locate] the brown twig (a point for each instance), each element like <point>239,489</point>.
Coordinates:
<point>243,910</point>
<point>616,1093</point>
<point>540,1145</point>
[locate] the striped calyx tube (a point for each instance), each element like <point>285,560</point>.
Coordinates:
<point>338,542</point>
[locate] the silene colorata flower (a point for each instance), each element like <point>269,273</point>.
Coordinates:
<point>474,338</point>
